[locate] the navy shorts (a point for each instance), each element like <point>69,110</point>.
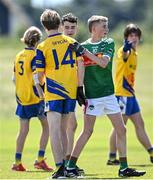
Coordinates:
<point>30,111</point>
<point>128,105</point>
<point>61,106</point>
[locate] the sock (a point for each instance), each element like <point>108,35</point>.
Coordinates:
<point>150,151</point>
<point>58,165</point>
<point>72,162</point>
<point>18,157</point>
<point>66,160</point>
<point>112,156</point>
<point>41,154</point>
<point>123,163</point>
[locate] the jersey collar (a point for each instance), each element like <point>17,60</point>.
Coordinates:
<point>29,48</point>
<point>54,34</point>
<point>94,43</point>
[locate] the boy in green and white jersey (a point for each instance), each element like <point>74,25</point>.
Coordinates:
<point>95,76</point>
<point>99,90</point>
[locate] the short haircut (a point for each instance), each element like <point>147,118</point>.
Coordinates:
<point>70,18</point>
<point>50,19</point>
<point>96,19</point>
<point>132,28</point>
<point>31,36</point>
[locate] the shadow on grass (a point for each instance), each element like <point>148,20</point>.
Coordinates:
<point>38,171</point>
<point>93,176</point>
<point>141,165</point>
<point>100,178</point>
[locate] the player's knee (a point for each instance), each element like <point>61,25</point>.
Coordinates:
<point>74,127</point>
<point>121,131</point>
<point>24,131</point>
<point>140,125</point>
<point>45,130</point>
<point>55,129</point>
<point>45,125</point>
<point>88,132</point>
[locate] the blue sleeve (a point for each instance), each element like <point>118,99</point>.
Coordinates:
<point>33,64</point>
<point>40,59</point>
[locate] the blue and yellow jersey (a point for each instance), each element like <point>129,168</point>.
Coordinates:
<point>125,73</point>
<point>58,62</point>
<point>24,65</point>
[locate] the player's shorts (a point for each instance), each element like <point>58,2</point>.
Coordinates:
<point>102,106</point>
<point>30,111</point>
<point>61,106</point>
<point>128,105</point>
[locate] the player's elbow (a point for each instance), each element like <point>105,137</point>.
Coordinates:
<point>104,64</point>
<point>41,77</point>
<point>13,79</point>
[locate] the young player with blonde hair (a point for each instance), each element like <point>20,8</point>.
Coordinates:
<point>99,90</point>
<point>29,103</point>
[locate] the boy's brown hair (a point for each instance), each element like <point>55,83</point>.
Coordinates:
<point>96,19</point>
<point>50,19</point>
<point>31,36</point>
<point>132,28</point>
<point>70,18</point>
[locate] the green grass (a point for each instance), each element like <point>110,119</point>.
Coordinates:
<point>93,158</point>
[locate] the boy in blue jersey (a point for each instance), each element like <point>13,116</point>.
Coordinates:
<point>57,63</point>
<point>99,90</point>
<point>126,65</point>
<point>29,103</point>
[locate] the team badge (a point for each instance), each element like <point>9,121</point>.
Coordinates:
<point>91,107</point>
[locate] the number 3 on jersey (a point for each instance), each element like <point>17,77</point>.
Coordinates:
<point>21,67</point>
<point>71,61</point>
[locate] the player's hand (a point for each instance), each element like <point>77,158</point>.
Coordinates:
<point>78,48</point>
<point>127,46</point>
<point>80,96</point>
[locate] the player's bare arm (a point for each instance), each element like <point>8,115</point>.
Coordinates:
<point>38,80</point>
<point>80,72</point>
<point>13,78</point>
<point>102,62</point>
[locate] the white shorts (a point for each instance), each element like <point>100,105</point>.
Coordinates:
<point>102,106</point>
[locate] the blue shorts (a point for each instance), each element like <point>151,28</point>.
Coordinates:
<point>29,111</point>
<point>128,105</point>
<point>61,106</point>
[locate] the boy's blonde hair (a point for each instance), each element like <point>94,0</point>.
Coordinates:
<point>31,36</point>
<point>96,19</point>
<point>50,19</point>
